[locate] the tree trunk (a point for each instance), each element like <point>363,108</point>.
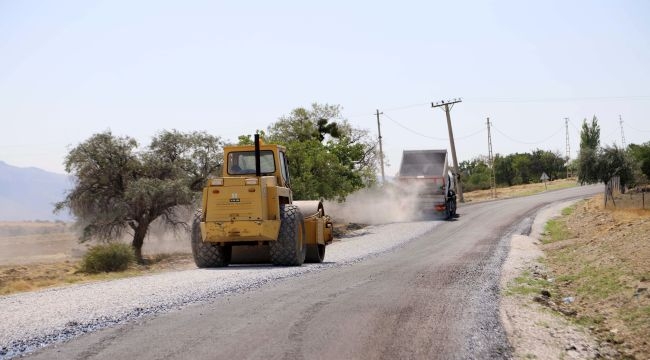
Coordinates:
<point>138,240</point>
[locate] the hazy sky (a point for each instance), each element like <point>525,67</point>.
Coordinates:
<point>69,69</point>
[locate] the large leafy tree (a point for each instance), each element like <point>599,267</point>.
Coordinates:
<point>504,171</point>
<point>328,158</point>
<point>521,162</point>
<point>613,161</point>
<point>589,148</point>
<point>640,154</point>
<point>475,174</point>
<point>120,189</point>
<point>549,162</point>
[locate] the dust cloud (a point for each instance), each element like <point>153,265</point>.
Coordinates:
<point>165,239</point>
<point>378,205</point>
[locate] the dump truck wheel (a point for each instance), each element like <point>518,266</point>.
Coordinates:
<point>207,254</point>
<point>315,253</point>
<point>448,210</point>
<point>290,248</point>
<point>453,207</point>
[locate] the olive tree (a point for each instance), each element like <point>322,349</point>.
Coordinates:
<point>119,189</point>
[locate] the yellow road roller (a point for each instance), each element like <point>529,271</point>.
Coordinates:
<point>252,204</point>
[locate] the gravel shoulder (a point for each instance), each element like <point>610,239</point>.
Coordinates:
<point>30,321</point>
<point>532,329</point>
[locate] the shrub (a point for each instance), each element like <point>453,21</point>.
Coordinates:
<point>107,258</point>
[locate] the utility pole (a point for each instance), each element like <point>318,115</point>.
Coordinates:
<point>459,186</point>
<point>493,180</point>
<point>381,150</point>
<point>622,133</point>
<point>568,146</point>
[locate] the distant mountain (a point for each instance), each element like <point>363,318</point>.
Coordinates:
<point>30,193</point>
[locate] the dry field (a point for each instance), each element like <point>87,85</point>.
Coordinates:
<point>38,242</point>
<point>35,255</point>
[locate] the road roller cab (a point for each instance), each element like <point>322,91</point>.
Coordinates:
<point>252,204</point>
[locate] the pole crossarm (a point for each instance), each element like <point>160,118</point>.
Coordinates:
<point>445,102</point>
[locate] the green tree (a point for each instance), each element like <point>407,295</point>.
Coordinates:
<point>544,161</point>
<point>613,161</point>
<point>504,171</point>
<point>588,156</point>
<point>476,174</point>
<point>248,139</point>
<point>327,158</point>
<point>521,162</point>
<point>119,189</point>
<point>590,134</point>
<point>640,155</point>
<point>307,124</point>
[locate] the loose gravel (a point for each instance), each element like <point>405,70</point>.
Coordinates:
<point>29,321</point>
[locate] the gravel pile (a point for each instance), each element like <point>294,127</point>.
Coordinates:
<point>32,320</point>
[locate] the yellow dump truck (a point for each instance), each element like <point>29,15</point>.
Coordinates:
<point>252,204</point>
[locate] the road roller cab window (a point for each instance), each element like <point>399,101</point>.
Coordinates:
<point>243,162</point>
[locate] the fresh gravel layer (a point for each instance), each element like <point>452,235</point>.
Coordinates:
<point>29,321</point>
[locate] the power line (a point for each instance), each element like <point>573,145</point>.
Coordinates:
<point>559,99</point>
<point>413,131</point>
<point>470,135</point>
<point>406,107</point>
<point>526,142</point>
<point>628,125</point>
<point>430,137</point>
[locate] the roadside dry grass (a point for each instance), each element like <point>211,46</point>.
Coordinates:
<point>519,190</point>
<point>600,261</point>
<point>30,277</point>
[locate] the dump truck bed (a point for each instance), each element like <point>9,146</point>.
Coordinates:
<point>425,163</point>
<point>423,174</point>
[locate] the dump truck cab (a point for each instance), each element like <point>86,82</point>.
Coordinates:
<point>252,204</point>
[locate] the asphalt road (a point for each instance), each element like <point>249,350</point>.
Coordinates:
<point>436,297</point>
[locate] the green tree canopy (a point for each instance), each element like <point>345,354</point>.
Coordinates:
<point>119,189</point>
<point>588,155</point>
<point>512,169</point>
<point>475,174</point>
<point>590,134</point>
<point>613,161</point>
<point>640,154</point>
<point>549,162</point>
<point>327,158</point>
<point>504,171</point>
